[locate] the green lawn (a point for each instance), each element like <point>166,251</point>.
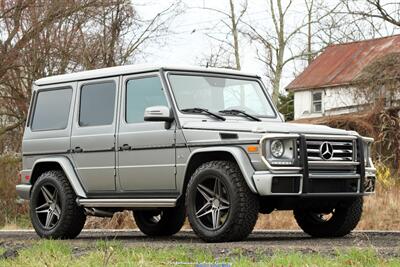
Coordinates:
<point>58,253</point>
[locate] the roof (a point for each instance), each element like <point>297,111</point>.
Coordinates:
<point>340,64</point>
<point>130,69</point>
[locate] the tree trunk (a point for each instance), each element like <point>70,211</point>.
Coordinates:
<point>235,35</point>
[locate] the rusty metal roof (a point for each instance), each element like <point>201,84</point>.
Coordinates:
<point>340,64</point>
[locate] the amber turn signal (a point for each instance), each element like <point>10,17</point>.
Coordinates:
<point>252,149</point>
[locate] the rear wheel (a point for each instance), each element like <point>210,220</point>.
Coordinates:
<point>161,222</point>
<point>53,209</point>
<point>332,222</point>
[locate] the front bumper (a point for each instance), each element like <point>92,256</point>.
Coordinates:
<point>291,184</point>
<point>24,190</point>
<point>302,180</point>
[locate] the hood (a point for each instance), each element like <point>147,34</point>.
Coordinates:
<point>264,127</point>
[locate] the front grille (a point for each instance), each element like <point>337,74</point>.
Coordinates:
<point>337,173</point>
<point>343,150</point>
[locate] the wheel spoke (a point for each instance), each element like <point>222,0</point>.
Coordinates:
<point>207,205</point>
<point>223,200</point>
<point>54,198</point>
<point>205,192</point>
<point>45,205</point>
<point>57,213</point>
<point>46,194</point>
<point>216,216</point>
<point>204,213</point>
<point>58,209</point>
<point>217,188</point>
<point>49,218</point>
<point>221,207</point>
<point>42,211</point>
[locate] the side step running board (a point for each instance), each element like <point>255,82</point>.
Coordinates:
<point>127,203</point>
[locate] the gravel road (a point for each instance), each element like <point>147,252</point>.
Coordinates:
<point>384,242</point>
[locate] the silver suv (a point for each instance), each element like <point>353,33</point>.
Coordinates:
<point>170,142</point>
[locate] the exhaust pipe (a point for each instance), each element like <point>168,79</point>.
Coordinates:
<point>98,212</point>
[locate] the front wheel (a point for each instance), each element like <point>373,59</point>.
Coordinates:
<point>219,203</point>
<point>333,222</point>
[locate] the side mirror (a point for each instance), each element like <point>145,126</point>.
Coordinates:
<point>158,113</point>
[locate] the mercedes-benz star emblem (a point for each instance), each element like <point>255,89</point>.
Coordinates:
<point>326,151</point>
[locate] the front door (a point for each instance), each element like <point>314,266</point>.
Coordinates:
<point>93,134</point>
<point>146,156</point>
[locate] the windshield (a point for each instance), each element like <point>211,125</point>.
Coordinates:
<point>219,93</point>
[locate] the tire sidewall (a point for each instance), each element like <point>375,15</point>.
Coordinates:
<point>46,179</point>
<point>191,193</point>
<point>142,220</point>
<point>344,220</point>
<point>172,220</point>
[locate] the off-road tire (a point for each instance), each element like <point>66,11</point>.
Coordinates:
<point>244,205</point>
<point>170,223</point>
<point>72,217</point>
<point>344,219</point>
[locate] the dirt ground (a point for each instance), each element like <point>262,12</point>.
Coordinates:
<point>386,244</point>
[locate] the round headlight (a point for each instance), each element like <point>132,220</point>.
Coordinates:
<point>277,148</point>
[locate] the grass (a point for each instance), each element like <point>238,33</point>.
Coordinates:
<point>21,221</point>
<point>111,253</point>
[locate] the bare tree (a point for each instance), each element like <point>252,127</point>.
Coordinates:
<point>218,57</point>
<point>117,32</point>
<point>231,39</point>
<point>388,11</point>
<point>275,43</point>
<point>89,35</point>
<point>15,37</point>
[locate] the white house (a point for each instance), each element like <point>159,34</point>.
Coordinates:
<point>324,87</point>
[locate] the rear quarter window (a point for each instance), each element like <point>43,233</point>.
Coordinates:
<point>51,110</point>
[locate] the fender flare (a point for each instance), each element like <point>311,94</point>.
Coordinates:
<point>69,172</point>
<point>240,157</point>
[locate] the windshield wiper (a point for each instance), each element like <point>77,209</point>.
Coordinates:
<point>203,110</point>
<point>237,112</point>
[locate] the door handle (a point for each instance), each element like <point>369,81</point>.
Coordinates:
<point>77,150</point>
<point>125,147</point>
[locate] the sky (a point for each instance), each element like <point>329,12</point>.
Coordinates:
<point>188,42</point>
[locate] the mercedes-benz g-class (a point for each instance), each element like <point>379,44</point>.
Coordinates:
<point>171,142</point>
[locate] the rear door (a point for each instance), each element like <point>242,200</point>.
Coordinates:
<point>93,134</point>
<point>146,157</point>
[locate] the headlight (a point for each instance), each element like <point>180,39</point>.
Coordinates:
<point>277,148</point>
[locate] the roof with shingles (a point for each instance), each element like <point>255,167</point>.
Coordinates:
<point>340,64</point>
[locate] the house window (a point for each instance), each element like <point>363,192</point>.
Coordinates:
<point>317,102</point>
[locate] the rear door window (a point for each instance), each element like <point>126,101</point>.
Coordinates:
<point>52,110</point>
<point>97,104</point>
